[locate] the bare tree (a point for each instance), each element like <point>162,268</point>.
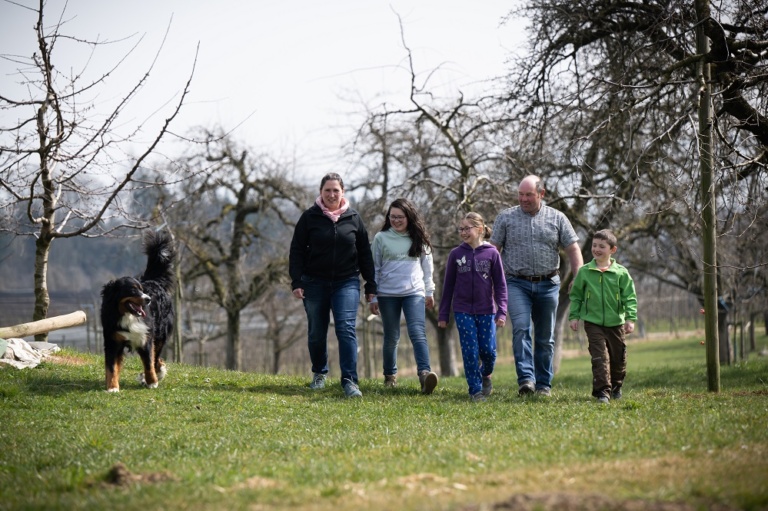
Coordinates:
<point>285,323</point>
<point>234,224</point>
<point>444,155</point>
<point>609,93</point>
<point>63,165</point>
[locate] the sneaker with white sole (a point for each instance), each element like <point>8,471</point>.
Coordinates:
<point>616,393</point>
<point>428,381</point>
<point>351,389</point>
<point>603,400</point>
<point>318,382</point>
<point>390,380</point>
<point>544,392</point>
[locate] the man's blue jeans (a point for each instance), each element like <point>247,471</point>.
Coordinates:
<point>390,308</point>
<point>321,297</point>
<point>533,345</point>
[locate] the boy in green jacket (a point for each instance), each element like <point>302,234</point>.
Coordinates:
<point>603,296</point>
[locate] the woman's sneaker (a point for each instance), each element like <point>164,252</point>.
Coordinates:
<point>487,386</point>
<point>351,389</point>
<point>616,393</point>
<point>318,382</point>
<point>428,381</point>
<point>390,380</point>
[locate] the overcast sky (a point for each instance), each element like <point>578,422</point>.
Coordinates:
<point>284,74</point>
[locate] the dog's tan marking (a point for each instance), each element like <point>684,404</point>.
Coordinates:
<point>113,379</point>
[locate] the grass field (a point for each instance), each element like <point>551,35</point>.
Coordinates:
<point>213,439</point>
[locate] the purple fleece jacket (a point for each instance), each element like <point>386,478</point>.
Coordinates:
<point>474,282</point>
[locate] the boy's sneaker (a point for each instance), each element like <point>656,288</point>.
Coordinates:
<point>477,398</point>
<point>390,380</point>
<point>603,400</point>
<point>526,389</point>
<point>318,382</point>
<point>616,393</point>
<point>428,381</point>
<point>544,392</point>
<point>351,389</point>
<point>487,386</point>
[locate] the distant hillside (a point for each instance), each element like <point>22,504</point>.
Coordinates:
<point>78,268</point>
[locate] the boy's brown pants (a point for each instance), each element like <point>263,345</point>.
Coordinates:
<point>609,358</point>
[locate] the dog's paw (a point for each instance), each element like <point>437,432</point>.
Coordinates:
<point>162,372</point>
<point>115,390</point>
<point>141,379</point>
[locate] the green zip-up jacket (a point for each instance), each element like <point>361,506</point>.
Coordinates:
<point>606,298</point>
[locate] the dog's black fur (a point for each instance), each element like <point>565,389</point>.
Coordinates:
<point>137,313</point>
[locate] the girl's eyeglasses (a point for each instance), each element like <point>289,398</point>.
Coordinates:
<point>396,217</point>
<point>466,229</point>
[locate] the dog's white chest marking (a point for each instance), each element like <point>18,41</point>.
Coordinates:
<point>134,329</point>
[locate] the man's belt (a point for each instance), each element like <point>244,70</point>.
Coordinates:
<point>536,278</point>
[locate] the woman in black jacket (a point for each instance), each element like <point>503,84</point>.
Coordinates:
<point>329,251</point>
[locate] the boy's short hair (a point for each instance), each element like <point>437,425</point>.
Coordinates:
<point>606,235</point>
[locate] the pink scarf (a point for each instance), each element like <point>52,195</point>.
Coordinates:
<point>333,215</point>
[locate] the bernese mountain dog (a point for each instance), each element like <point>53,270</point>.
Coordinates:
<point>137,313</point>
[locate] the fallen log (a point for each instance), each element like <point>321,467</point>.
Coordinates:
<point>42,326</point>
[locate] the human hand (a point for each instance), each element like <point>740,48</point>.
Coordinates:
<point>442,324</point>
<point>369,298</point>
<point>629,327</point>
<point>500,322</point>
<point>575,325</point>
<point>429,302</point>
<point>374,307</point>
<point>298,293</point>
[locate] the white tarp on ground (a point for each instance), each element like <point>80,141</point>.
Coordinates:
<point>22,354</point>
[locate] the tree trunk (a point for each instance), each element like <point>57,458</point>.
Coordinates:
<point>178,349</point>
<point>234,349</point>
<point>42,298</point>
<point>561,319</point>
<point>725,351</point>
<point>276,352</point>
<point>765,321</point>
<point>446,352</point>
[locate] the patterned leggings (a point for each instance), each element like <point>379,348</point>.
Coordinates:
<point>477,333</point>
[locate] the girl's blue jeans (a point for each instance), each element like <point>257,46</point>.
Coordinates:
<point>392,308</point>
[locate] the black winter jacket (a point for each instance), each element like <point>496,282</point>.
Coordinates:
<point>331,251</point>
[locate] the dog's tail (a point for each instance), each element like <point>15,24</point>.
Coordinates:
<point>161,255</point>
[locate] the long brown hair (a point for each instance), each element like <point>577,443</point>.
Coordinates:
<point>416,228</point>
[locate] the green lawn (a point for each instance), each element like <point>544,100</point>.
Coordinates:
<point>212,439</point>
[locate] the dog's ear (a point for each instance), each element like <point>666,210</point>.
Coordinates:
<point>107,287</point>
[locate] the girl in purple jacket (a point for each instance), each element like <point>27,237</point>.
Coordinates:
<point>476,286</point>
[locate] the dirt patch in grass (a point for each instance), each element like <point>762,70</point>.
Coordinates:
<point>119,475</point>
<point>587,502</point>
<point>688,481</point>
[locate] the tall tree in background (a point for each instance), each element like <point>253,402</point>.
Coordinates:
<point>441,154</point>
<point>64,168</point>
<point>235,225</point>
<point>609,95</point>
